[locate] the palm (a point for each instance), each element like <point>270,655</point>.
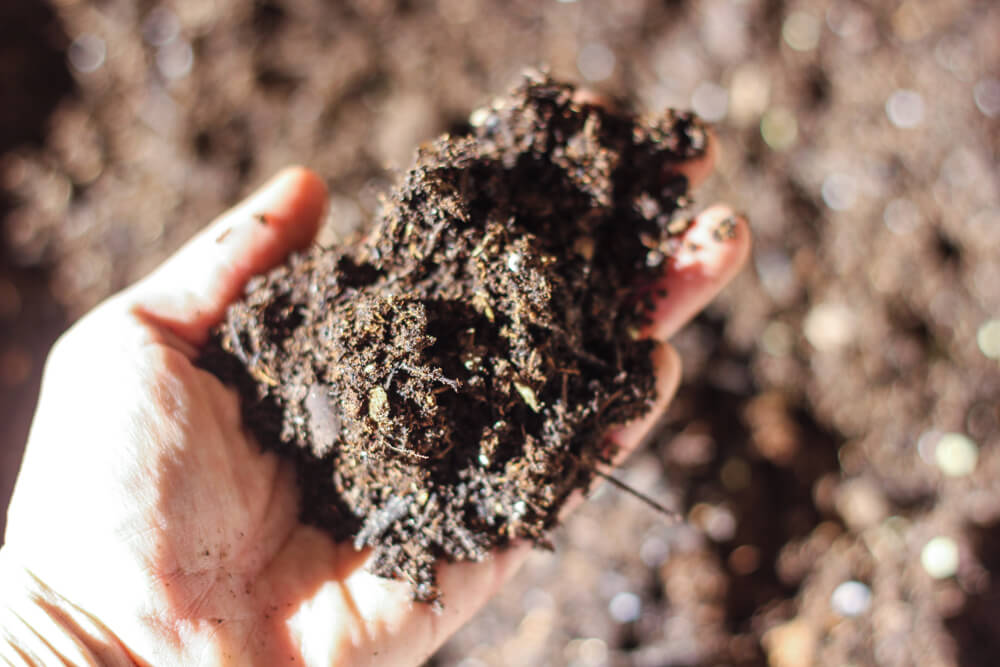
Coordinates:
<point>273,587</point>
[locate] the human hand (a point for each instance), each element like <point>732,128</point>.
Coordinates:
<point>148,527</point>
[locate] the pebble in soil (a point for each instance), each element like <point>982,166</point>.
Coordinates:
<point>443,382</point>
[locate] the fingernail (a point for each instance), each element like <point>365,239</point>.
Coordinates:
<point>587,97</point>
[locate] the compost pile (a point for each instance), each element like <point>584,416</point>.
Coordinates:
<point>443,383</point>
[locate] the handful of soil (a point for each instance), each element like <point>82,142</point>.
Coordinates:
<point>443,383</point>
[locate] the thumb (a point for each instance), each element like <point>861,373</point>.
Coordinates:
<point>189,293</point>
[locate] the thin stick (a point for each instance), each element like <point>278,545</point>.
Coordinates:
<point>674,517</point>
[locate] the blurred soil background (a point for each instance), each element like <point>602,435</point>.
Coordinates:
<point>836,442</point>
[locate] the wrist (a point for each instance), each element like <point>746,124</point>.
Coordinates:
<point>40,627</point>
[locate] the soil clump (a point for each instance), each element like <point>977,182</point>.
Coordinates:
<point>443,381</point>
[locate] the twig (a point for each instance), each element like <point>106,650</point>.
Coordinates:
<point>672,515</point>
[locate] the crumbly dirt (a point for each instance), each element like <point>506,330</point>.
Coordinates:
<point>444,382</point>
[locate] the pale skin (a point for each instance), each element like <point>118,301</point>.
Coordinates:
<point>147,527</point>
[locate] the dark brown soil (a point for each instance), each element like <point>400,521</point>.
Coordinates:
<point>444,382</point>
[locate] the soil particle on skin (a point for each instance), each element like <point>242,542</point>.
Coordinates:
<point>443,383</point>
